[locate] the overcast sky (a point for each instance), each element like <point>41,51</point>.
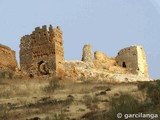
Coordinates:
<point>108,25</point>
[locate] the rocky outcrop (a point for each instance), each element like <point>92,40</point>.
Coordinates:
<point>78,71</point>
<point>8,58</point>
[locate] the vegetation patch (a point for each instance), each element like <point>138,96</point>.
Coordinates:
<point>6,74</point>
<point>52,86</point>
<point>153,91</point>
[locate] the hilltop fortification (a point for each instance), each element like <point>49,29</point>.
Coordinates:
<point>42,54</point>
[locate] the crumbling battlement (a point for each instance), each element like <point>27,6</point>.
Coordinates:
<point>42,52</point>
<point>134,59</point>
<point>104,63</point>
<point>7,58</point>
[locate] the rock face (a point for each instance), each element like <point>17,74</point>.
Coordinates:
<point>7,58</point>
<point>134,59</point>
<point>79,70</point>
<point>42,52</point>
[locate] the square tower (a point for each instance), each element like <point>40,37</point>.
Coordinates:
<point>42,52</point>
<point>134,59</point>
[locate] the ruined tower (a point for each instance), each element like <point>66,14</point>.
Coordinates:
<point>8,58</point>
<point>42,52</point>
<point>87,55</point>
<point>134,59</point>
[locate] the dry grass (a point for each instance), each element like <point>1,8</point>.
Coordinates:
<point>17,88</point>
<point>25,99</point>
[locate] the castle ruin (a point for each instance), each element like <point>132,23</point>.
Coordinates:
<point>134,59</point>
<point>7,58</point>
<point>42,52</point>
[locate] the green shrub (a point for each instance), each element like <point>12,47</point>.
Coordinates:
<point>10,75</point>
<point>153,91</point>
<point>2,74</point>
<point>3,112</point>
<point>143,85</point>
<point>6,74</point>
<point>56,116</point>
<point>52,86</point>
<point>125,104</point>
<point>88,99</point>
<point>47,118</point>
<point>59,116</point>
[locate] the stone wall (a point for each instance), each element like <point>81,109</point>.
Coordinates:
<point>7,58</point>
<point>96,69</point>
<point>104,63</point>
<point>134,59</point>
<point>42,52</point>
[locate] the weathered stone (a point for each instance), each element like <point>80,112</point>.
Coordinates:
<point>44,69</point>
<point>42,52</point>
<point>104,63</point>
<point>105,69</point>
<point>87,54</point>
<point>134,59</point>
<point>100,56</point>
<point>7,58</point>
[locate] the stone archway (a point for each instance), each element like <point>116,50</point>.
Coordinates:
<point>43,68</point>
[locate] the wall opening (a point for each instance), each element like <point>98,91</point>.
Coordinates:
<point>31,75</point>
<point>39,64</point>
<point>43,68</point>
<point>124,65</point>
